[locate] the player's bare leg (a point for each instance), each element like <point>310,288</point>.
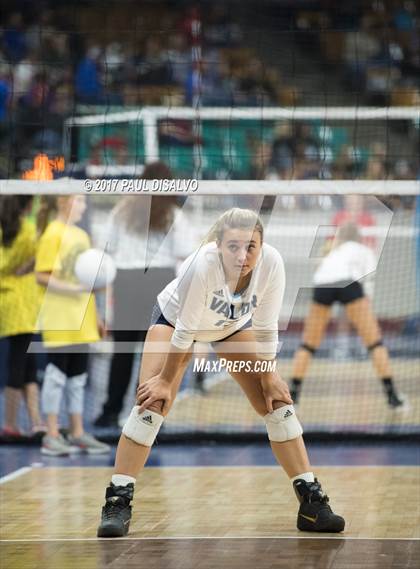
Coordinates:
<point>362,317</point>
<point>12,398</point>
<point>132,456</point>
<point>31,394</point>
<point>315,325</point>
<point>314,513</point>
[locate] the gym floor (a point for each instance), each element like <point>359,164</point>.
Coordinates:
<point>212,506</point>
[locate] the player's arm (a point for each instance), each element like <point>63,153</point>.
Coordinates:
<point>25,268</point>
<point>265,324</point>
<point>369,269</point>
<point>46,261</point>
<point>192,295</point>
<point>160,387</point>
<point>266,315</point>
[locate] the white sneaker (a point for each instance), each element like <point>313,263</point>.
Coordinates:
<point>87,443</point>
<point>57,446</point>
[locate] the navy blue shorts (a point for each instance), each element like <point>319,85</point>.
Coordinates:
<point>158,318</point>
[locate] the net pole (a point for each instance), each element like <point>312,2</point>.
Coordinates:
<point>151,139</point>
<point>196,53</point>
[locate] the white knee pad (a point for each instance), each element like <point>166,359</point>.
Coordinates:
<point>52,389</point>
<point>142,428</point>
<point>75,393</point>
<point>283,425</point>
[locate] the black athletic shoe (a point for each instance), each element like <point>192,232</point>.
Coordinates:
<point>199,383</point>
<point>315,513</point>
<point>295,387</point>
<point>116,513</point>
<point>106,420</point>
<point>394,400</point>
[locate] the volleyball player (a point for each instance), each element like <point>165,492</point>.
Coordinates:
<point>228,292</point>
<point>337,280</point>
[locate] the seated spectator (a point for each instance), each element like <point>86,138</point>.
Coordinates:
<point>361,46</point>
<point>257,87</point>
<point>283,147</point>
<point>23,74</point>
<point>219,31</point>
<point>213,86</point>
<point>89,89</point>
<point>179,58</point>
<point>151,65</point>
<point>5,91</point>
<point>14,41</point>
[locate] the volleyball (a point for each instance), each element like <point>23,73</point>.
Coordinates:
<point>95,269</point>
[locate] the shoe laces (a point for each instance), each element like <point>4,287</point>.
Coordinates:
<point>316,494</point>
<point>113,506</point>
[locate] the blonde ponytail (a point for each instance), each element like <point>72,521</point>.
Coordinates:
<point>235,218</point>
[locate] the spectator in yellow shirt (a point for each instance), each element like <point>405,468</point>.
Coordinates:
<point>19,305</point>
<point>69,323</point>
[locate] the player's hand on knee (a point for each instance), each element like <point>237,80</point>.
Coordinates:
<point>275,389</point>
<point>155,389</point>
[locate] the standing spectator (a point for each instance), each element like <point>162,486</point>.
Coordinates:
<point>69,323</point>
<point>145,256</point>
<point>18,309</point>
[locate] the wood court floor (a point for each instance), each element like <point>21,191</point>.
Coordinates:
<point>210,517</point>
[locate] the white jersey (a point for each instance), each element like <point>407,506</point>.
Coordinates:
<point>348,262</point>
<point>149,248</point>
<point>199,304</point>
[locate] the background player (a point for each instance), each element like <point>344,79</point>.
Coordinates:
<point>337,280</point>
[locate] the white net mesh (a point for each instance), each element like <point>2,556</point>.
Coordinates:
<point>342,393</point>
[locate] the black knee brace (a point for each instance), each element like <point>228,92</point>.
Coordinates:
<point>377,344</point>
<point>309,349</point>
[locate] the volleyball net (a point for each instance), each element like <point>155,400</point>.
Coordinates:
<point>342,395</point>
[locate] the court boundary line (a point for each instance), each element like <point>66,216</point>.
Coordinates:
<point>15,474</point>
<point>43,466</point>
<point>195,538</point>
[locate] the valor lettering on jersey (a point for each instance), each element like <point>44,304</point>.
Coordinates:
<point>220,306</point>
<point>231,311</point>
<point>216,303</point>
